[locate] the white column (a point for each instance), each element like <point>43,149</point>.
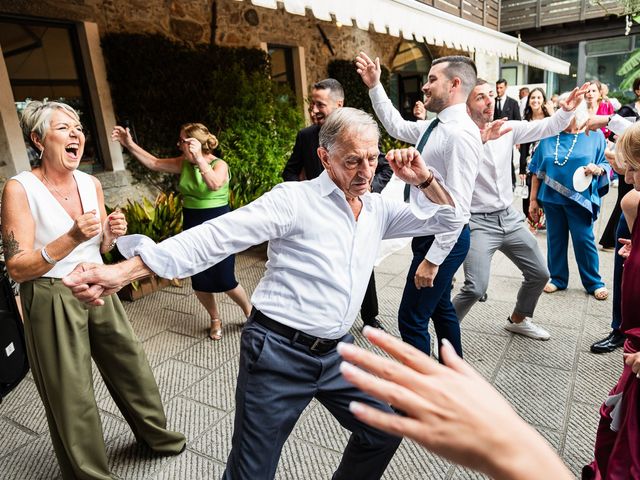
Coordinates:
<point>13,152</point>
<point>100,95</point>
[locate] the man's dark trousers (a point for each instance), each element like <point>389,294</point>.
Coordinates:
<point>276,381</point>
<point>418,305</point>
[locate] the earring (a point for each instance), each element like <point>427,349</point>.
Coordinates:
<point>41,152</point>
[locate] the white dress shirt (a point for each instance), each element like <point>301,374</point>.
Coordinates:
<point>320,257</point>
<point>493,189</point>
<point>453,149</point>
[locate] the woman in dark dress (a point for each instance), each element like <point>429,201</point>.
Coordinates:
<point>617,449</point>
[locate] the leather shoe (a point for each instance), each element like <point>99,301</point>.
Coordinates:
<point>374,323</point>
<point>613,341</point>
<point>483,298</point>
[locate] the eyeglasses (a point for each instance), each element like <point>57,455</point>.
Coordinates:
<point>181,141</point>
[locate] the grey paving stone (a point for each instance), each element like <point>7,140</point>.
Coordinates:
<point>319,427</point>
<point>483,351</point>
<point>581,434</point>
<point>131,460</point>
<point>389,301</point>
<point>559,351</point>
<point>34,461</point>
<point>413,461</point>
<point>596,376</point>
<point>217,389</point>
<point>190,466</point>
<point>190,418</point>
<point>215,443</point>
<point>13,438</point>
<point>538,394</point>
<point>174,377</point>
<point>166,345</point>
<point>147,326</point>
<point>211,355</point>
<point>304,460</point>
<point>488,317</point>
<point>23,393</point>
<point>30,415</point>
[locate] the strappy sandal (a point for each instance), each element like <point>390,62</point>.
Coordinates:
<point>601,293</point>
<point>215,333</point>
<point>550,288</point>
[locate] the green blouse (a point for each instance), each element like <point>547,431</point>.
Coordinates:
<point>196,193</point>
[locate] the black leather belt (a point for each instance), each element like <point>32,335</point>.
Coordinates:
<point>317,345</point>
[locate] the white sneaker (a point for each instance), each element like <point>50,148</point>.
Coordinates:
<point>528,329</point>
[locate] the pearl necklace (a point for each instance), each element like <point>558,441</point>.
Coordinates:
<point>566,159</point>
<point>66,197</point>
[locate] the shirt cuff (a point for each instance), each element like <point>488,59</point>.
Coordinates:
<point>436,255</point>
<point>618,124</point>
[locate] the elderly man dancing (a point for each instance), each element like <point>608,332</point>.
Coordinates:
<point>323,238</point>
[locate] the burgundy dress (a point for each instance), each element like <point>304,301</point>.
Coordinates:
<point>617,453</point>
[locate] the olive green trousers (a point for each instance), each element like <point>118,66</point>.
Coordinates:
<point>63,335</point>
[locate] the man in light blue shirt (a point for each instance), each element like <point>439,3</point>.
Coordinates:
<point>324,235</point>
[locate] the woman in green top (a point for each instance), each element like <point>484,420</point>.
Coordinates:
<point>204,184</point>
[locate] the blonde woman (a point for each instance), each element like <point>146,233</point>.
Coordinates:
<point>53,218</point>
<point>204,184</point>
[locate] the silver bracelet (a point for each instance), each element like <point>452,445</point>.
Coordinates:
<point>46,257</point>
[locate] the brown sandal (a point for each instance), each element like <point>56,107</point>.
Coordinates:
<point>215,333</point>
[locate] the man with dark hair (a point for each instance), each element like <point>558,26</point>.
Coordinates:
<point>323,238</point>
<point>327,96</point>
<point>494,223</point>
<point>451,144</point>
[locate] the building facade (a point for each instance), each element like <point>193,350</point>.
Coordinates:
<point>592,36</point>
<point>51,49</point>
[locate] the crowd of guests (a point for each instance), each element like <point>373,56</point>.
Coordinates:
<point>324,235</point>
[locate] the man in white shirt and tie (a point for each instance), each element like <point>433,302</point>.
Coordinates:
<point>495,224</point>
<point>451,144</point>
<point>324,235</point>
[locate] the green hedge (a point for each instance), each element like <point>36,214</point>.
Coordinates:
<point>157,85</point>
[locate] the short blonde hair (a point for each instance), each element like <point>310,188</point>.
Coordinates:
<point>628,146</point>
<point>36,117</point>
<point>202,134</point>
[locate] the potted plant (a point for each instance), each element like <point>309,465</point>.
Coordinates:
<point>158,221</point>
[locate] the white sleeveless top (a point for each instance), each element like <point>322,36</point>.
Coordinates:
<point>53,221</point>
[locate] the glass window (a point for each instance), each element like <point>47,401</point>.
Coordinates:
<point>604,58</point>
<point>609,45</point>
<point>43,62</point>
<point>564,83</point>
<point>282,65</point>
<point>410,66</point>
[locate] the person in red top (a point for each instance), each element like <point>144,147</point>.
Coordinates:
<point>617,449</point>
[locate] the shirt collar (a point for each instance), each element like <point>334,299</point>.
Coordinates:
<point>327,186</point>
<point>453,112</point>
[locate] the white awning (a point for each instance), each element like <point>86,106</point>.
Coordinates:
<point>414,20</point>
<point>535,58</point>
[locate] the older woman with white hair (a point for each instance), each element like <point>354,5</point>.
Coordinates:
<point>54,218</point>
<point>571,173</point>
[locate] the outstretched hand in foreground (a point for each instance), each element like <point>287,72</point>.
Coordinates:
<point>450,409</point>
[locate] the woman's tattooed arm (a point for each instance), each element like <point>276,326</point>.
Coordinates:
<point>11,246</point>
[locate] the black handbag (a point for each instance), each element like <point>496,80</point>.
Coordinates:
<point>13,350</point>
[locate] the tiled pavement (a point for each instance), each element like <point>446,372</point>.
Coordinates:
<point>557,385</point>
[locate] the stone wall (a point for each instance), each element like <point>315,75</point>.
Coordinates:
<point>235,24</point>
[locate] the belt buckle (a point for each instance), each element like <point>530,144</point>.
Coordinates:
<point>317,346</point>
